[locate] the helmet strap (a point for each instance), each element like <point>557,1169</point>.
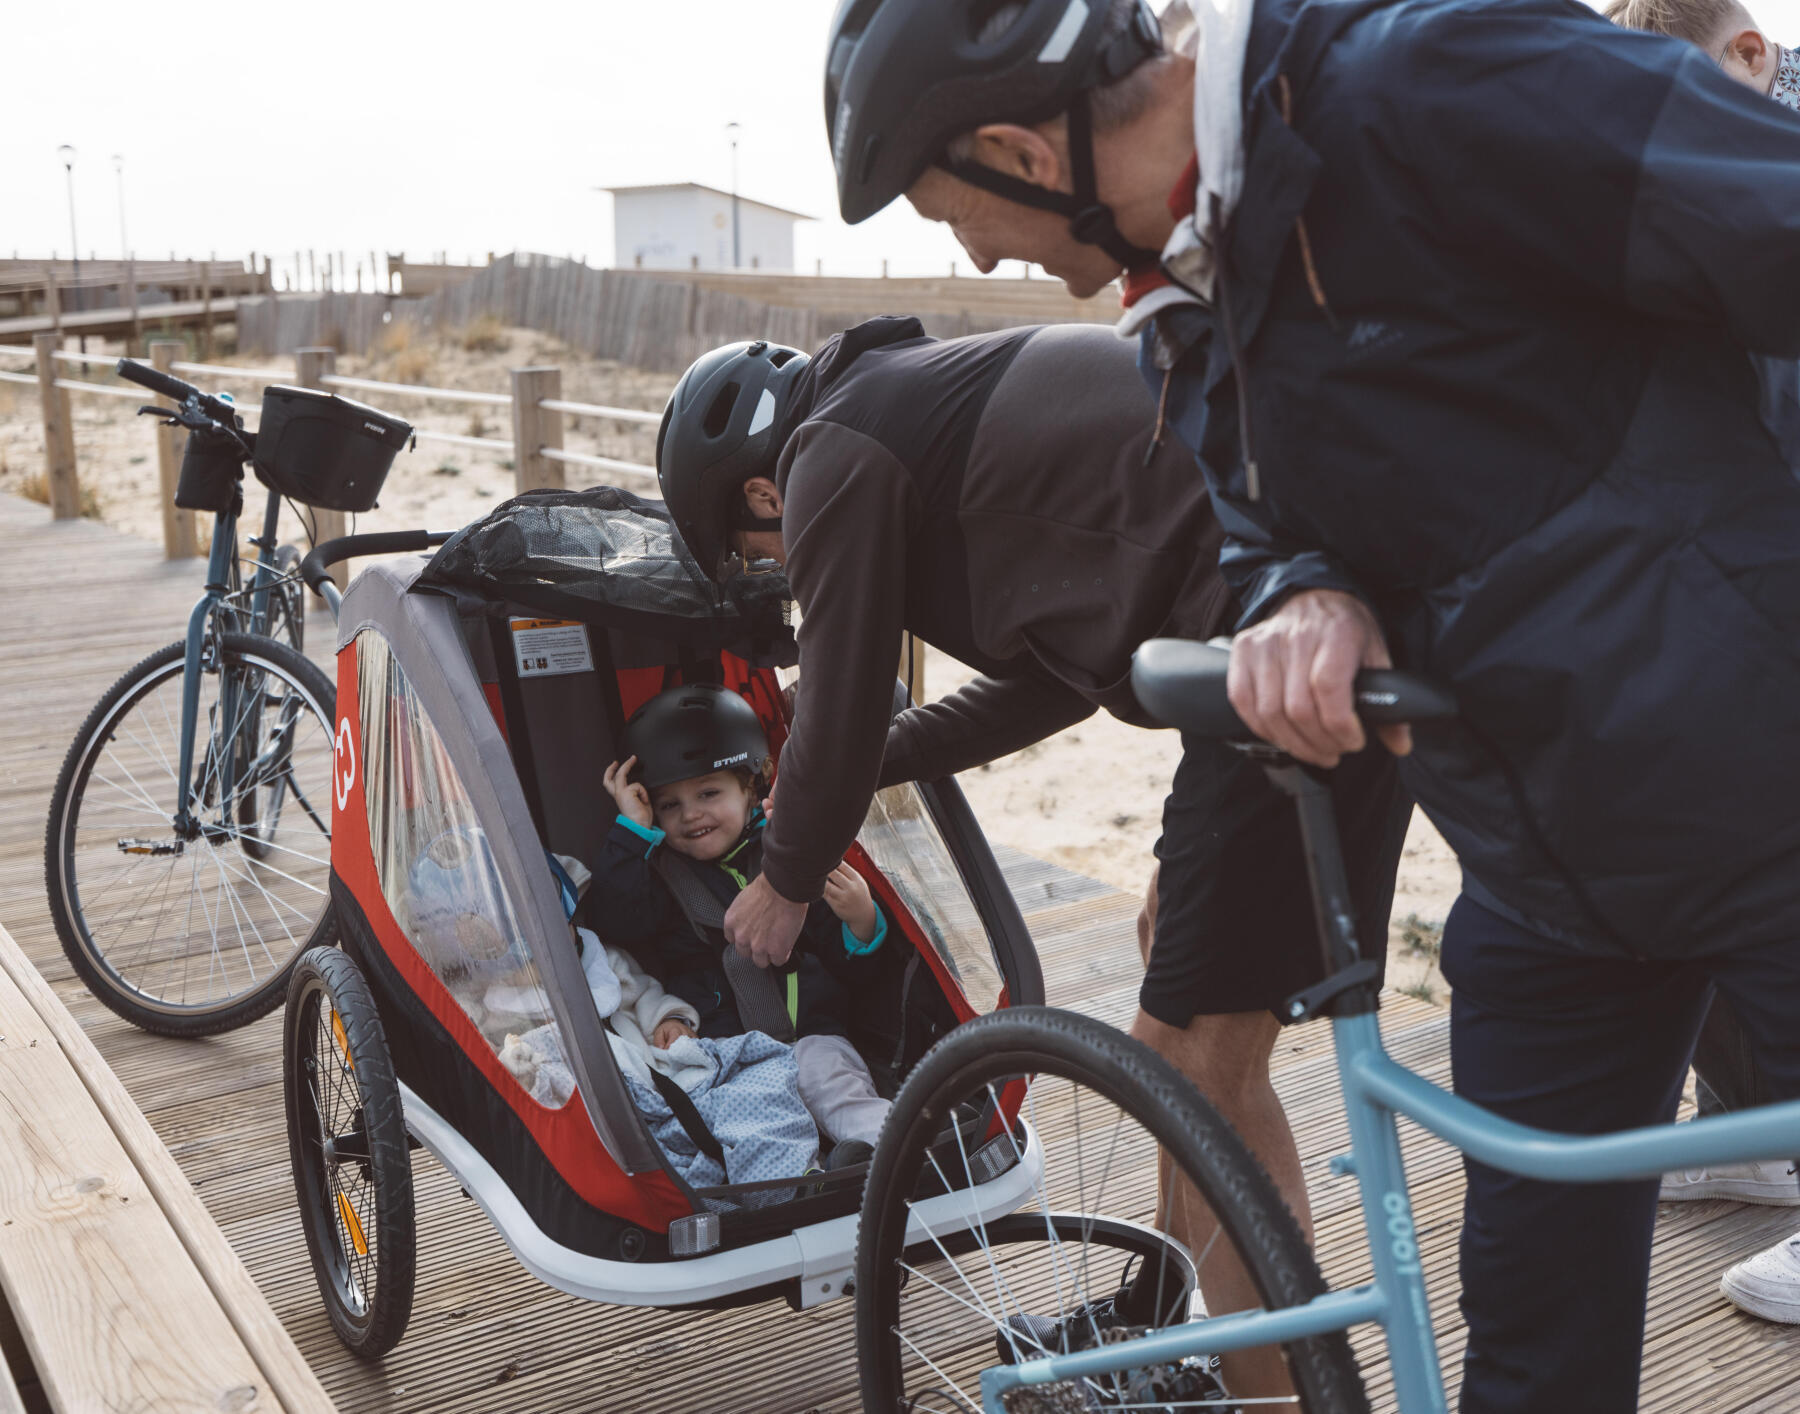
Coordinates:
<point>1090,221</point>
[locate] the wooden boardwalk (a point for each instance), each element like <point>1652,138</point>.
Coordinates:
<point>82,603</point>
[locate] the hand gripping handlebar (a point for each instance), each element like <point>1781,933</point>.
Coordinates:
<point>1182,684</point>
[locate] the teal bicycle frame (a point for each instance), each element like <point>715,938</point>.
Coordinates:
<point>212,602</point>
<point>1376,1088</point>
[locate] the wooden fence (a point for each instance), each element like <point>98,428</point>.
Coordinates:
<point>657,321</point>
<point>535,405</point>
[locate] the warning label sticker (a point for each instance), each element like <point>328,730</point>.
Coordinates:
<point>549,647</point>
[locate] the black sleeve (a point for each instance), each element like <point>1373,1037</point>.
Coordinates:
<point>980,722</point>
<point>845,519</point>
<point>628,906</point>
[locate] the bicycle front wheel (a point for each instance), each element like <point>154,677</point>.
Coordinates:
<point>192,932</point>
<point>1112,1149</point>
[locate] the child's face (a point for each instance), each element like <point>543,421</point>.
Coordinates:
<point>703,815</point>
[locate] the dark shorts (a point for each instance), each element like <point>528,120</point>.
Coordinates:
<point>1234,920</point>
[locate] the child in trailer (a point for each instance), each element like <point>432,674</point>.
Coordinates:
<point>690,784</point>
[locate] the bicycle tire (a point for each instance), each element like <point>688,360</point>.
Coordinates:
<point>88,954</point>
<point>1045,1042</point>
<point>354,1185</point>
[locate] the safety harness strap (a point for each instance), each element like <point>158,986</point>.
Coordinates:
<point>758,997</point>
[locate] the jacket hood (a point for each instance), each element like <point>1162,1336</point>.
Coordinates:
<point>833,360</point>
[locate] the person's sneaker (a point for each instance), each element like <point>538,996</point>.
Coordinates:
<point>1768,1284</point>
<point>1772,1182</point>
<point>849,1154</point>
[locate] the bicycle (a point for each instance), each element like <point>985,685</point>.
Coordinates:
<point>186,856</point>
<point>992,1328</point>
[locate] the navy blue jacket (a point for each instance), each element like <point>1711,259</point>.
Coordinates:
<point>1532,433</point>
<point>633,909</point>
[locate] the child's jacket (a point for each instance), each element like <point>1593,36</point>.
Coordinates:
<point>632,909</point>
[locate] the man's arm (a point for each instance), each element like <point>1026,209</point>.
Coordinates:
<point>847,508</point>
<point>980,722</point>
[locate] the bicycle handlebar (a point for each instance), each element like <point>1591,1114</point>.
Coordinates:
<point>174,388</point>
<point>1182,684</point>
<point>315,569</point>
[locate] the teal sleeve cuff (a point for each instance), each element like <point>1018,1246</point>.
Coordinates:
<point>648,833</point>
<point>856,947</point>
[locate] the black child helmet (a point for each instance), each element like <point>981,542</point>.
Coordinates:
<point>904,77</point>
<point>717,432</point>
<point>693,731</point>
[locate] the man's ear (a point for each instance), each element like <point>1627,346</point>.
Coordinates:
<point>1751,47</point>
<point>1021,152</point>
<point>761,495</point>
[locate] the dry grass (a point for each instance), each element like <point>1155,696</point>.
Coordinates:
<point>485,334</point>
<point>402,357</point>
<point>36,487</point>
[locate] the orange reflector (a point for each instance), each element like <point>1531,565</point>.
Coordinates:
<point>343,1040</point>
<point>352,1226</point>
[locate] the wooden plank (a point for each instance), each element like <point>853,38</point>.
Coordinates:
<point>110,1307</point>
<point>219,1274</point>
<point>59,432</point>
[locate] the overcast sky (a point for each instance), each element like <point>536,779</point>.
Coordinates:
<point>416,126</point>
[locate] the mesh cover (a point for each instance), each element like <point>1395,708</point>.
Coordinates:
<point>607,556</point>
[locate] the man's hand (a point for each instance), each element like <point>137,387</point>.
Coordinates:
<point>631,797</point>
<point>762,925</point>
<point>847,892</point>
<point>668,1031</point>
<point>1292,676</point>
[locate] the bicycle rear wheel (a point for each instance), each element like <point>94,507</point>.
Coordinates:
<point>188,935</point>
<point>1112,1124</point>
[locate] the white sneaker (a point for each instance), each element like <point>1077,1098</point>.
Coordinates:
<point>1768,1284</point>
<point>1772,1182</point>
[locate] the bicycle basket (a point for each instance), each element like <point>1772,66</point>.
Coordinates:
<point>211,468</point>
<point>323,450</point>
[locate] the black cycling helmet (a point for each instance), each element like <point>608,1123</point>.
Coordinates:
<point>717,432</point>
<point>904,77</point>
<point>693,731</point>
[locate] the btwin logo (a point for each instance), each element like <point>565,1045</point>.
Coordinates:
<point>731,761</point>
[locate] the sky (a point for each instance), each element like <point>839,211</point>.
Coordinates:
<point>399,125</point>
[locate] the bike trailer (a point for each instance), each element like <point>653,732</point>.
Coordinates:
<point>480,698</point>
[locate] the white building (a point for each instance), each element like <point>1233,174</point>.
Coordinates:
<point>671,227</point>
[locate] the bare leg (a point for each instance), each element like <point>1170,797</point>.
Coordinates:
<point>1227,1059</point>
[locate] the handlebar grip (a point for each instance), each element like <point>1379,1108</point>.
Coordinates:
<point>1183,684</point>
<point>315,569</point>
<point>155,380</point>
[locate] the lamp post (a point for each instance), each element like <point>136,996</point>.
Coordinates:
<point>737,255</point>
<point>119,172</point>
<point>67,154</point>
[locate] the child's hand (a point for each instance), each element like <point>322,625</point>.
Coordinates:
<point>848,894</point>
<point>631,798</point>
<point>669,1031</point>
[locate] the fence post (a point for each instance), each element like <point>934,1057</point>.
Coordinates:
<point>60,481</point>
<point>135,344</point>
<point>180,539</point>
<point>311,368</point>
<point>912,666</point>
<point>206,342</point>
<point>52,301</point>
<point>535,427</point>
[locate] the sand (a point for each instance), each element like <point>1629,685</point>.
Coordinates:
<point>1089,799</point>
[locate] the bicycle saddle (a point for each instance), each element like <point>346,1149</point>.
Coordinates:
<point>1182,684</point>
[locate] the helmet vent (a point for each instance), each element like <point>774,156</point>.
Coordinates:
<point>718,416</point>
<point>992,20</point>
<point>781,356</point>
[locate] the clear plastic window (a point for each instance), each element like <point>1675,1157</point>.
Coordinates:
<point>439,877</point>
<point>905,844</point>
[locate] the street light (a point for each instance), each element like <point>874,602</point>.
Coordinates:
<point>67,154</point>
<point>118,162</point>
<point>737,258</point>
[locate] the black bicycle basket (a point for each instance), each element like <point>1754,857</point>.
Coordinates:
<point>211,468</point>
<point>323,450</point>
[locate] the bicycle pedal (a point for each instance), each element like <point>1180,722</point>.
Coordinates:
<point>152,846</point>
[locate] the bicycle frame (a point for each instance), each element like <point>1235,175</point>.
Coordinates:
<point>1377,1088</point>
<point>218,588</point>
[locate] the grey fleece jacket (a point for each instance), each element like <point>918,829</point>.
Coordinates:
<point>999,496</point>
